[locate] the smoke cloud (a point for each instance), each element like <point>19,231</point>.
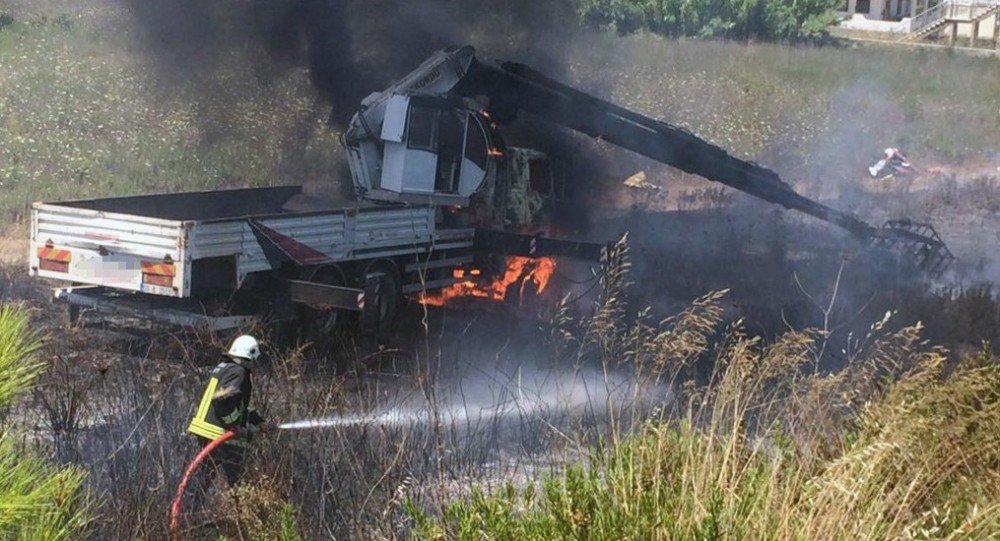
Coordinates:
<point>351,48</point>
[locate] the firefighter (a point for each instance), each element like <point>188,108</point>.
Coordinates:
<point>225,405</point>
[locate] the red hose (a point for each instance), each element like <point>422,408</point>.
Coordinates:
<point>175,508</point>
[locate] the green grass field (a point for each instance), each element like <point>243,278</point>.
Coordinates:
<point>85,111</point>
<point>900,443</point>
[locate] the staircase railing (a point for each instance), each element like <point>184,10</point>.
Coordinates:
<point>951,10</point>
<point>929,16</point>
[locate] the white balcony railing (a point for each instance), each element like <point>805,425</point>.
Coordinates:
<point>951,10</point>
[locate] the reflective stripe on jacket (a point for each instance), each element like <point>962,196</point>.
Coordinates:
<point>200,425</point>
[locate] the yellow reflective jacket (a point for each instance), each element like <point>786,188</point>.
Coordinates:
<point>215,416</point>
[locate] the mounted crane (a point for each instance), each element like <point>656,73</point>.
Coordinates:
<point>455,78</point>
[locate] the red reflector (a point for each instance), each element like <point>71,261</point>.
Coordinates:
<point>158,274</point>
<point>157,280</point>
<point>46,253</point>
<point>53,266</point>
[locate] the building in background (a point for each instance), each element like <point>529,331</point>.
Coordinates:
<point>972,20</point>
<point>882,10</point>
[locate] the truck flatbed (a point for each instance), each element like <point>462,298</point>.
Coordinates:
<point>172,244</point>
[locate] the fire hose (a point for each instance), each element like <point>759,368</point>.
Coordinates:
<point>175,508</point>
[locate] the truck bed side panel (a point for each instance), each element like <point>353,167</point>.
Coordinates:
<point>236,238</point>
<point>156,255</point>
<point>341,235</point>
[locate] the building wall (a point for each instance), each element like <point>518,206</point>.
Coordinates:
<point>987,28</point>
<point>900,8</point>
<point>879,10</point>
<point>895,10</point>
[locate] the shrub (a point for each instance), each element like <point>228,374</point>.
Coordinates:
<point>256,511</point>
<point>18,344</point>
<point>758,19</point>
<point>37,500</point>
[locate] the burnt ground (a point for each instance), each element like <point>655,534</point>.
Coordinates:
<point>772,261</point>
<point>118,393</point>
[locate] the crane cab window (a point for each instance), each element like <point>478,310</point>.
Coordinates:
<point>476,148</point>
<point>422,128</point>
<point>451,133</point>
<point>433,147</point>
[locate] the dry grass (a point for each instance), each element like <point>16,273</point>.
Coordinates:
<point>754,445</point>
<point>691,428</point>
<point>889,447</point>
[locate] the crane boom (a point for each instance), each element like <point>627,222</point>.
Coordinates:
<point>515,85</point>
<point>386,162</point>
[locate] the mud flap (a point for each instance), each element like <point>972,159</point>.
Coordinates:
<point>378,304</point>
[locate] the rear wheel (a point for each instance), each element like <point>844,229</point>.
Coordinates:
<point>73,311</point>
<point>318,321</point>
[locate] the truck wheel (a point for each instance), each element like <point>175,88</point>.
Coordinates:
<point>322,322</point>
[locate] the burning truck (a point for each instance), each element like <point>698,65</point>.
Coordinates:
<point>443,208</point>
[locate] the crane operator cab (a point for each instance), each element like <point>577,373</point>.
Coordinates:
<point>421,141</point>
<point>432,151</point>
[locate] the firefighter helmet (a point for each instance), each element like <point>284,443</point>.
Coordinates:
<point>245,347</point>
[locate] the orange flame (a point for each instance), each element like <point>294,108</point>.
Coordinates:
<point>520,270</point>
<point>486,114</point>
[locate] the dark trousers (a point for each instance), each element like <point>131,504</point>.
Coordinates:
<point>226,459</point>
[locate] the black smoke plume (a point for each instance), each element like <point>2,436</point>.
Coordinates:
<point>351,48</point>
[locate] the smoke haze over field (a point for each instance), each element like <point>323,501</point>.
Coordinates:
<point>350,47</point>
<point>353,48</point>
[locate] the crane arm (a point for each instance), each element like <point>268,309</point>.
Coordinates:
<point>511,85</point>
<point>458,74</point>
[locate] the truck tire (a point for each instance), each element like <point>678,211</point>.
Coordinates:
<point>321,323</point>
